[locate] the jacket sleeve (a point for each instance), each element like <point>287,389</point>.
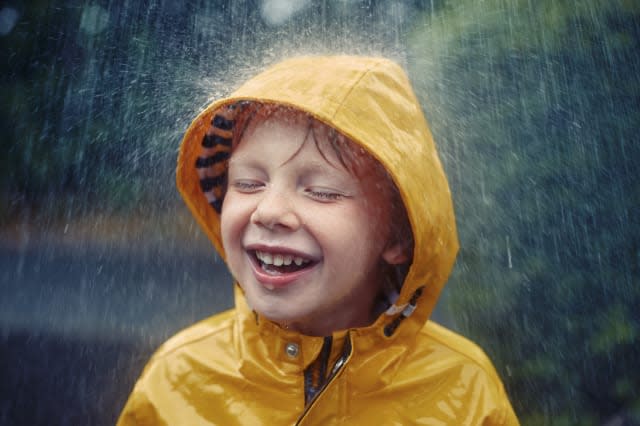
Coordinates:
<point>510,418</point>
<point>139,411</point>
<point>503,415</point>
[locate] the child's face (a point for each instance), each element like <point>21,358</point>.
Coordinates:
<point>303,235</point>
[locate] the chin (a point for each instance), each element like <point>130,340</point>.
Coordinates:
<point>284,319</point>
<point>278,316</point>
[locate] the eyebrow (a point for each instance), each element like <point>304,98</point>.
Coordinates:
<point>311,167</point>
<point>246,163</point>
<point>316,167</point>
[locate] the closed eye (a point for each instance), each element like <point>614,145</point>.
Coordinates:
<point>247,185</point>
<point>325,195</point>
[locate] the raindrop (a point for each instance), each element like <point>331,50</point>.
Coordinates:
<point>94,19</point>
<point>8,19</point>
<point>277,12</point>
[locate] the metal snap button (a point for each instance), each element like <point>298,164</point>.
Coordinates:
<point>292,350</point>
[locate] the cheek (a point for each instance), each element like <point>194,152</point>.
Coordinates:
<point>231,233</point>
<point>230,222</point>
<point>361,230</point>
<point>377,217</point>
<point>225,223</point>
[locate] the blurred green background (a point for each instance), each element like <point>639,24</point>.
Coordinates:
<point>535,107</point>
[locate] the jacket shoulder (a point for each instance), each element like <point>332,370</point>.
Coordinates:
<point>181,368</point>
<point>443,339</point>
<point>456,363</point>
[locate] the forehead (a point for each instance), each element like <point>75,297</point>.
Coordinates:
<point>281,125</point>
<point>275,122</point>
<point>284,135</point>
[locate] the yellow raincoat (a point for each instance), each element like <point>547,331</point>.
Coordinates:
<point>236,368</point>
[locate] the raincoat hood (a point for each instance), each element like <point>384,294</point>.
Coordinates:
<point>369,100</point>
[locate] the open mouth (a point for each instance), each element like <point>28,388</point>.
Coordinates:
<point>280,263</point>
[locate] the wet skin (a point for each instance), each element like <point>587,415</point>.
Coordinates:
<point>303,235</point>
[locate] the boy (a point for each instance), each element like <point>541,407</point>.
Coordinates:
<point>319,184</point>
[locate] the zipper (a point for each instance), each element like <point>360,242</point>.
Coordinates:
<point>316,373</point>
<point>337,367</point>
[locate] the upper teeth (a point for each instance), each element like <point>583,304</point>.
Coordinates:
<point>280,259</point>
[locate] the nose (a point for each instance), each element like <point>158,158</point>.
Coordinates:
<point>275,210</point>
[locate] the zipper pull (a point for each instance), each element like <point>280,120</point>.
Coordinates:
<point>336,367</point>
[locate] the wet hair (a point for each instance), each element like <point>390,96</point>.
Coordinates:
<point>356,160</point>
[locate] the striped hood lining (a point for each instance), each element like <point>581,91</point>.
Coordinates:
<point>211,165</point>
<point>227,126</point>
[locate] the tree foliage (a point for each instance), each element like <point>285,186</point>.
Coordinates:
<point>535,107</point>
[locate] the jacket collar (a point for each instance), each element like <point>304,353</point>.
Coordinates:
<point>267,352</point>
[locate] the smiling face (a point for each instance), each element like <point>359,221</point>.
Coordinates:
<point>304,236</point>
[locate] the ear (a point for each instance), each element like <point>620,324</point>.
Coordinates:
<point>395,254</point>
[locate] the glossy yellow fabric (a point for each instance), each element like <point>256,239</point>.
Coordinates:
<point>233,368</point>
